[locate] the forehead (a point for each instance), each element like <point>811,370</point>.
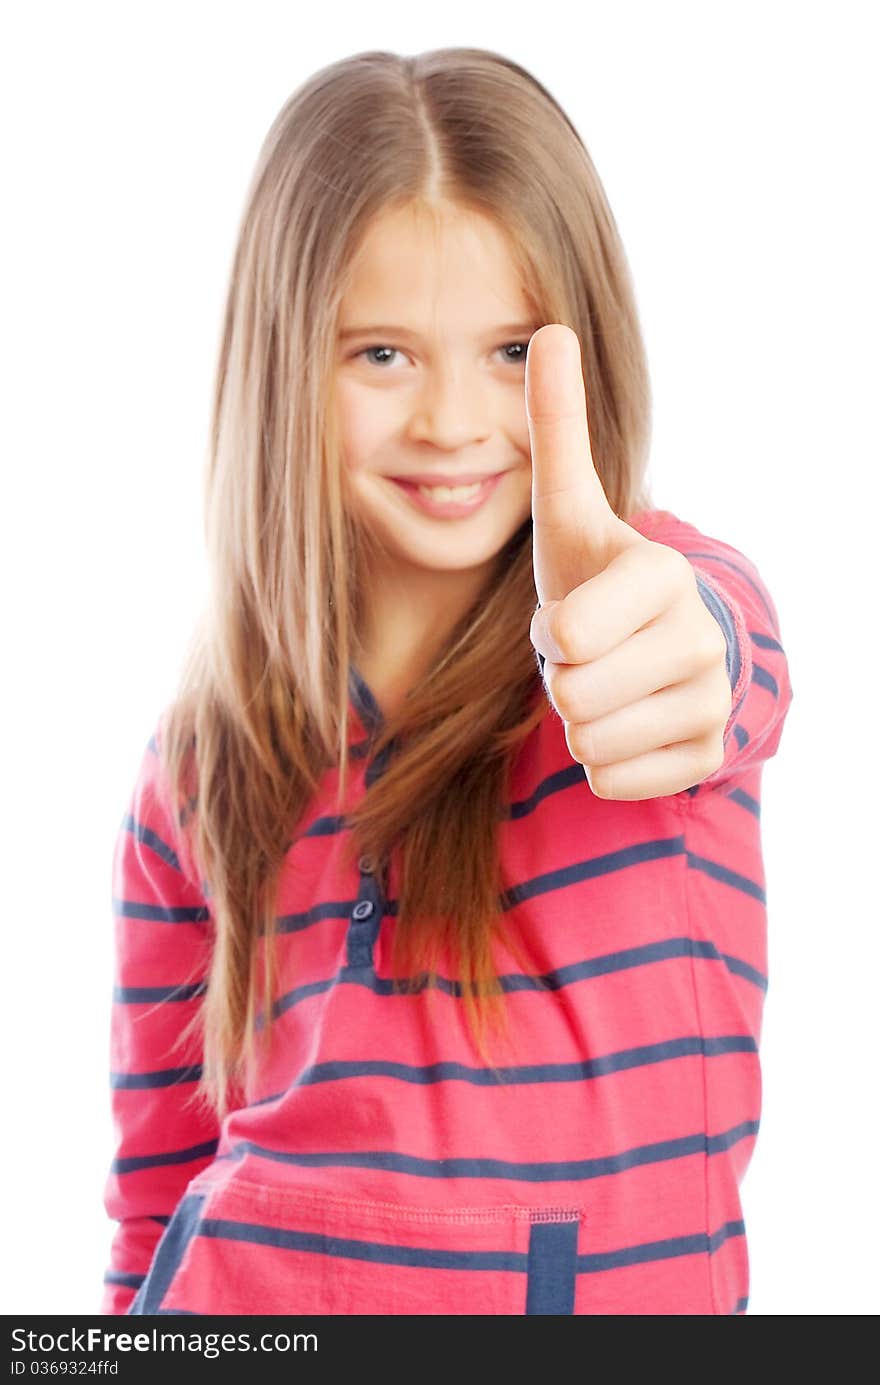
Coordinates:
<point>454,270</point>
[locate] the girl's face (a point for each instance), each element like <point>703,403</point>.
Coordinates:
<point>430,382</point>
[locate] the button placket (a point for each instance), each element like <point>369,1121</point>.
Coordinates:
<point>366,917</point>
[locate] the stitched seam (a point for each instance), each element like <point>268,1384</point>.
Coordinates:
<point>708,1256</point>
<point>250,1193</point>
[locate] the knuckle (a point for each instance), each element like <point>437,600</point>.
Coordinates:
<point>718,644</point>
<point>581,743</point>
<point>712,757</point>
<point>563,633</point>
<point>568,704</point>
<point>588,744</point>
<point>715,706</point>
<point>710,648</point>
<point>561,694</point>
<point>573,740</point>
<point>678,566</point>
<point>557,696</point>
<point>725,694</point>
<point>600,782</point>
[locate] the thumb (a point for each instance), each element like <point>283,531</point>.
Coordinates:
<point>575,531</point>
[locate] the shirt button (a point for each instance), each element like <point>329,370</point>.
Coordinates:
<point>365,865</point>
<point>362,909</point>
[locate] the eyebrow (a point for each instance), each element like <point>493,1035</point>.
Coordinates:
<point>389,330</point>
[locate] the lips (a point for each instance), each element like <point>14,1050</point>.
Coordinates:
<point>435,478</point>
<point>449,509</point>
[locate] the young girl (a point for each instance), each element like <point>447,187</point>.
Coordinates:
<point>440,915</point>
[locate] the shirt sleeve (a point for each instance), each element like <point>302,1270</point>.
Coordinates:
<point>734,592</point>
<point>162,950</point>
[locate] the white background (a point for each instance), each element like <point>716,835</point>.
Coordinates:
<point>737,146</point>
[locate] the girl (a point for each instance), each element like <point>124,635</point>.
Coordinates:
<point>440,917</point>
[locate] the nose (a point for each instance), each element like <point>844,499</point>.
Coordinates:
<point>451,411</point>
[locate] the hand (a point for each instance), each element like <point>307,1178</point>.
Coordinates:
<point>635,662</point>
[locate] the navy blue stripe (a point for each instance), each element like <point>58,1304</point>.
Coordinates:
<point>766,641</point>
<point>665,949</point>
<point>320,1243</point>
<point>368,708</point>
<point>752,805</point>
<point>635,854</point>
<point>660,1250</point>
<point>327,909</point>
<point>551,1263</point>
<point>532,1073</point>
<point>570,775</point>
<point>717,1144</point>
<point>326,826</point>
<point>564,1170</point>
<point>151,839</point>
<point>169,1254</point>
<point>764,678</point>
<point>741,1305</point>
<point>164,1077</point>
<point>157,913</point>
<point>128,1281</point>
<point>552,1266</point>
<point>357,976</point>
<point>726,876</point>
<point>737,708</point>
<point>710,1046</point>
<point>147,995</point>
<point>132,1163</point>
<point>746,971</point>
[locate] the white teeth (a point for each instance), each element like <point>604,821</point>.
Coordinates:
<point>455,493</point>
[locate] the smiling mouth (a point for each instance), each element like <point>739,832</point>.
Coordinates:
<point>448,502</point>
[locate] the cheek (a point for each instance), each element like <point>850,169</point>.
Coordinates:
<point>365,427</point>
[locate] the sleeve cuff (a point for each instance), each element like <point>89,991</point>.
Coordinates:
<point>739,659</point>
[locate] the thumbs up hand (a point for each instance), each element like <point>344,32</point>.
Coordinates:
<point>635,663</point>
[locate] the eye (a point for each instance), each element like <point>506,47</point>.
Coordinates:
<point>368,349</point>
<point>521,346</point>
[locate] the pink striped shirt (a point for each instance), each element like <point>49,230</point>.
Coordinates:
<point>379,1168</point>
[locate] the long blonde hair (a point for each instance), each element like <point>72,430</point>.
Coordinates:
<point>261,711</point>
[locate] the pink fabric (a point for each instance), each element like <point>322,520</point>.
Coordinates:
<point>380,1168</point>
